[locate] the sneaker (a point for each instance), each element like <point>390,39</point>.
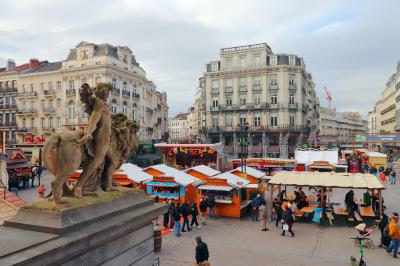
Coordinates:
<point>171,230</point>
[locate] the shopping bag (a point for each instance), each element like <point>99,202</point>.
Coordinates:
<point>285,227</point>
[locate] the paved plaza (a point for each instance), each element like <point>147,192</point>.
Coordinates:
<point>240,242</point>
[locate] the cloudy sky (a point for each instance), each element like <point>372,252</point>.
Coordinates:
<point>352,47</point>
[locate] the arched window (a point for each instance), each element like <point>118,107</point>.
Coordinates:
<point>71,110</point>
<point>114,106</point>
<point>125,108</point>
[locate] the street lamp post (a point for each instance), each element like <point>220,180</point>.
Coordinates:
<point>243,131</point>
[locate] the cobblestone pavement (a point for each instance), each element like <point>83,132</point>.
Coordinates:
<point>240,242</point>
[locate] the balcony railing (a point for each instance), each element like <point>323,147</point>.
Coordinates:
<point>136,95</point>
<point>273,87</point>
<point>214,108</point>
<point>8,90</point>
<point>27,111</point>
<point>8,124</point>
<point>49,110</point>
<point>228,89</point>
<point>149,110</point>
<point>48,129</point>
<point>71,92</point>
<point>289,105</point>
<point>214,90</point>
<point>27,94</point>
<point>126,94</point>
<point>8,106</point>
<point>260,128</point>
<point>257,87</point>
<point>242,88</point>
<point>115,92</point>
<point>272,105</point>
<point>292,87</point>
<point>27,129</point>
<point>49,93</point>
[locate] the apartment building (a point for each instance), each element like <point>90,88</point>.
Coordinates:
<point>48,94</point>
<point>265,100</point>
<point>179,128</point>
<point>372,123</point>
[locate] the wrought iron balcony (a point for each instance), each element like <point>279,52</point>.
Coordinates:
<point>8,90</point>
<point>126,94</point>
<point>27,94</point>
<point>49,110</point>
<point>71,92</point>
<point>49,93</point>
<point>27,111</point>
<point>8,106</point>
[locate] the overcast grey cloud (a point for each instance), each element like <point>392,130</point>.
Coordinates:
<point>349,46</point>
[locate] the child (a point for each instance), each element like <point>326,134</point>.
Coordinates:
<point>41,191</point>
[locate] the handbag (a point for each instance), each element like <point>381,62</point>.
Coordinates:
<point>285,227</point>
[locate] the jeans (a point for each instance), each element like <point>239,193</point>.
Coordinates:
<point>177,228</point>
<point>212,213</point>
<point>394,246</point>
<point>185,222</point>
<point>392,180</point>
<point>203,217</point>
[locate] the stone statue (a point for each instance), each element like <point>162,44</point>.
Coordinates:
<point>100,150</point>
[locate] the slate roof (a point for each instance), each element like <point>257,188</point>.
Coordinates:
<point>44,67</point>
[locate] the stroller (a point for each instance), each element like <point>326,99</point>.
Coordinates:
<point>363,233</point>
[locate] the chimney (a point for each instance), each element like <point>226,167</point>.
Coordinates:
<point>33,62</point>
<point>10,65</point>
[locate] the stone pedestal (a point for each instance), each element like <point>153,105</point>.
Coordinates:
<point>116,229</point>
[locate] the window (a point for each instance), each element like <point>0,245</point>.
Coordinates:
<point>23,88</point>
<point>32,87</point>
<point>51,104</point>
<point>292,79</point>
<point>257,99</point>
<point>59,85</point>
<point>50,86</point>
<point>256,81</point>
<point>242,100</point>
<point>43,104</point>
<point>274,98</point>
<point>242,61</point>
<point>215,85</point>
<point>71,110</point>
<point>257,60</point>
<point>114,106</point>
<point>291,98</point>
<point>274,120</point>
<point>291,120</point>
<point>292,60</point>
<point>257,119</point>
<point>58,122</point>
<point>124,86</point>
<point>215,102</point>
<point>114,83</point>
<point>50,122</point>
<point>214,66</point>
<point>23,122</point>
<point>42,86</point>
<point>32,122</point>
<point>242,84</point>
<point>58,103</point>
<point>72,85</point>
<point>274,60</point>
<point>228,85</point>
<point>42,121</point>
<point>229,101</point>
<point>228,63</point>
<point>242,119</point>
<point>273,79</point>
<point>215,120</point>
<point>228,120</point>
<point>125,108</point>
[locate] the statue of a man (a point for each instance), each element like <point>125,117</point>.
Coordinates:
<point>97,137</point>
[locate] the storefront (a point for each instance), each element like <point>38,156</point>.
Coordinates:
<point>267,164</point>
<point>257,180</point>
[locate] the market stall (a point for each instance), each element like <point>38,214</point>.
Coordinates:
<point>136,174</point>
<point>202,172</point>
<point>189,155</point>
<point>229,192</point>
<point>119,176</point>
<point>376,159</point>
<point>257,180</point>
<point>171,183</point>
<point>267,164</point>
<point>328,181</point>
<point>325,166</point>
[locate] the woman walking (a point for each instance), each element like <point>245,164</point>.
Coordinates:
<point>287,221</point>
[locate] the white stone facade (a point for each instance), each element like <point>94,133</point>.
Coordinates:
<point>179,128</point>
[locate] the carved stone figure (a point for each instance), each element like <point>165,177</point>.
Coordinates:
<point>100,150</point>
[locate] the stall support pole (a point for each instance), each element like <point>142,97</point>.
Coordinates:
<point>323,197</point>
<point>271,197</point>
<point>380,203</point>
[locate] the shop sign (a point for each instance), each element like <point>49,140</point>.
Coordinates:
<point>377,138</point>
<point>34,140</point>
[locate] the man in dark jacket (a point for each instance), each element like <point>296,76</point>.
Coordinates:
<point>255,205</point>
<point>211,205</point>
<point>166,216</point>
<point>177,219</point>
<point>185,213</point>
<point>194,212</point>
<point>288,220</point>
<point>171,214</point>
<point>201,252</point>
<point>203,211</point>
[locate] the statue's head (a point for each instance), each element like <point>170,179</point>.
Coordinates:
<point>102,91</point>
<point>85,93</point>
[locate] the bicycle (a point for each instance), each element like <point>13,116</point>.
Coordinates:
<point>353,260</point>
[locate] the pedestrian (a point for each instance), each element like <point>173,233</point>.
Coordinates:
<point>211,205</point>
<point>203,211</point>
<point>185,213</point>
<point>392,177</point>
<point>394,233</point>
<point>255,205</point>
<point>287,221</point>
<point>263,216</point>
<point>194,212</point>
<point>278,212</point>
<point>177,219</point>
<point>166,216</point>
<point>202,254</point>
<point>171,211</point>
<point>383,228</point>
<point>383,177</point>
<point>33,175</point>
<point>41,191</point>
